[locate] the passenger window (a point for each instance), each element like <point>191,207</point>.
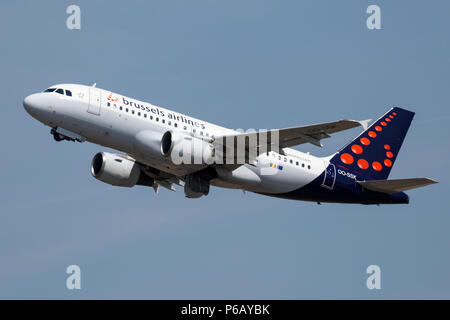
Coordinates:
<point>151,117</point>
<point>108,104</point>
<point>60,91</point>
<point>139,114</point>
<point>126,109</point>
<point>157,119</point>
<point>145,115</point>
<point>175,124</point>
<point>163,121</point>
<point>120,108</point>
<point>132,111</point>
<point>309,167</point>
<point>296,163</point>
<point>68,93</point>
<point>303,165</point>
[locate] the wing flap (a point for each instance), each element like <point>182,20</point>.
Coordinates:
<point>396,185</point>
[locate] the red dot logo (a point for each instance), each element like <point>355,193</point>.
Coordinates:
<point>378,128</point>
<point>365,141</point>
<point>347,158</point>
<point>363,164</point>
<point>387,147</point>
<point>377,166</point>
<point>372,134</point>
<point>391,116</point>
<point>387,163</point>
<point>357,149</point>
<point>387,120</point>
<point>389,154</point>
<point>384,124</point>
<point>394,113</point>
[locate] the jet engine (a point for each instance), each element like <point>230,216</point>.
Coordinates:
<point>118,170</point>
<point>185,149</point>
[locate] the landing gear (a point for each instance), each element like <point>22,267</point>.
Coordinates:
<point>197,184</point>
<point>58,137</point>
<point>60,134</point>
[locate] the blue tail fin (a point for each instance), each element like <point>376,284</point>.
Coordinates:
<point>372,154</point>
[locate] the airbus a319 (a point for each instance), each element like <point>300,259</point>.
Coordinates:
<point>162,148</point>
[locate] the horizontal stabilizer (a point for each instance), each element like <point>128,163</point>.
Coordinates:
<point>397,185</point>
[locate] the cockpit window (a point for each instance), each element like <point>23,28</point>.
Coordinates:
<point>60,91</point>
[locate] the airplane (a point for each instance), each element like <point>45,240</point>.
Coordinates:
<point>152,140</point>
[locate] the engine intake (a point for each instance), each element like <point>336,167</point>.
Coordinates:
<point>166,143</point>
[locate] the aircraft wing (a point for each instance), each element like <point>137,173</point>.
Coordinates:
<point>396,185</point>
<point>314,133</point>
<point>276,139</point>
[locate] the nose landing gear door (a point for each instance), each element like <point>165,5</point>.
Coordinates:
<point>95,101</point>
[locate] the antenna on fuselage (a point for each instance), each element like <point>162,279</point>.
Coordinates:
<point>93,86</point>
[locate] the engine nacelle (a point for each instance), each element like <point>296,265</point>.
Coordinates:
<point>185,149</point>
<point>148,143</point>
<point>118,171</point>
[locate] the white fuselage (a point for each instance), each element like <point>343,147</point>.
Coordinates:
<point>113,120</point>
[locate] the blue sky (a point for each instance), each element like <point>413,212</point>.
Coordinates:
<point>241,64</point>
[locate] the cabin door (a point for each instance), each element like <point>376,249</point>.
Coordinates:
<point>95,101</point>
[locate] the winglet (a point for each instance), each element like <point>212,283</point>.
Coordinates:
<point>365,123</point>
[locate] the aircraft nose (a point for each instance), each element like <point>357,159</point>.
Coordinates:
<point>32,103</point>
